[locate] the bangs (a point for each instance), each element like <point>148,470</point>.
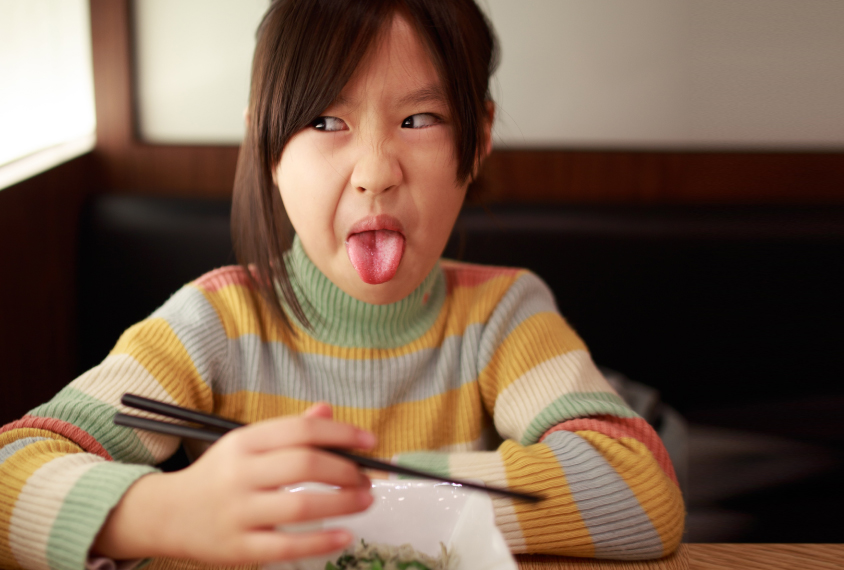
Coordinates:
<point>312,49</point>
<point>306,52</point>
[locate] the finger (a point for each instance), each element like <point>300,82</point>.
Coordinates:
<point>292,431</point>
<point>269,546</point>
<point>319,410</point>
<point>276,469</point>
<point>272,508</point>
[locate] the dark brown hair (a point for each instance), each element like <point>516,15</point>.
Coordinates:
<point>306,52</point>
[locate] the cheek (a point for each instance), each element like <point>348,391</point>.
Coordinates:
<point>306,185</point>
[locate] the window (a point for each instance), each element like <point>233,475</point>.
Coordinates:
<point>46,85</point>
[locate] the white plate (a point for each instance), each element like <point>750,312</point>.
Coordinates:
<point>423,514</point>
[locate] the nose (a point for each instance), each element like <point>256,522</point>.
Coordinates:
<point>377,170</point>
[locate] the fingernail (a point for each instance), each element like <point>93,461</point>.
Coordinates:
<point>341,538</point>
<point>366,439</point>
<point>365,497</point>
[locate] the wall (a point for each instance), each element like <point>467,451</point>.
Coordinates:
<point>625,175</point>
<point>650,74</point>
<point>38,239</point>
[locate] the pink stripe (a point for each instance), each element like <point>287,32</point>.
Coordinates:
<point>75,434</point>
<point>635,428</point>
<point>459,274</point>
<point>223,277</point>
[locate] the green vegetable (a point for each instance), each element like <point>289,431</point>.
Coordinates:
<point>384,557</point>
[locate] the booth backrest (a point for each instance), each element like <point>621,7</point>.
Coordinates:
<point>712,306</point>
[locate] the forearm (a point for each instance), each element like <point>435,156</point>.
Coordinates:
<point>54,500</point>
<point>612,502</point>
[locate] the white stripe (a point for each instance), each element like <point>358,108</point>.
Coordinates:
<point>489,468</point>
<point>119,374</point>
<point>508,523</point>
<point>38,506</point>
<point>519,404</point>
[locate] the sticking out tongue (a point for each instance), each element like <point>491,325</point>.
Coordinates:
<point>375,254</point>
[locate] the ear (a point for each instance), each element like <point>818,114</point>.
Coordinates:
<point>246,118</point>
<point>487,142</point>
<point>490,119</point>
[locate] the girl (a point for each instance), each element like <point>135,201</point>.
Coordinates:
<point>367,120</point>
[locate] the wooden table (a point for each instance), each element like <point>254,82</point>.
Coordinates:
<point>711,557</point>
<point>688,557</point>
<point>766,556</point>
<point>677,561</point>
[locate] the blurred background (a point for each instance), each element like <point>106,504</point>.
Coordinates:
<point>674,171</point>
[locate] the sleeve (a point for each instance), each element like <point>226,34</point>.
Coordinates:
<point>610,488</point>
<point>65,465</point>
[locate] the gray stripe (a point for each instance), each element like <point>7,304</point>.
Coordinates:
<point>7,451</point>
<point>198,327</point>
<point>616,521</point>
<point>273,368</point>
<point>528,296</point>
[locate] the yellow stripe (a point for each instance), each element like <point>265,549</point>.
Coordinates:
<point>243,312</point>
<point>659,496</point>
<point>157,348</point>
<point>445,419</point>
<point>15,472</point>
<point>538,338</point>
<point>557,526</point>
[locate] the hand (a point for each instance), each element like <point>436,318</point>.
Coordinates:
<point>224,508</point>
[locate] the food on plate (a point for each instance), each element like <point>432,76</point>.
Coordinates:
<point>387,557</point>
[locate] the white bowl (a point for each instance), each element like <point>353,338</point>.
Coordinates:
<point>421,513</point>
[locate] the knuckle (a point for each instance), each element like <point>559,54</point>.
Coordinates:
<point>306,463</point>
<point>298,506</point>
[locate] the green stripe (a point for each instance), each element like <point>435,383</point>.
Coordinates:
<point>85,509</point>
<point>575,405</point>
<point>96,417</point>
<point>341,320</point>
<point>430,461</point>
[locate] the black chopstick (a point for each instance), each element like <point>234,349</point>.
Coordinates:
<point>215,427</point>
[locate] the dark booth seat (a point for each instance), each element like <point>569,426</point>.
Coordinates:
<point>732,314</point>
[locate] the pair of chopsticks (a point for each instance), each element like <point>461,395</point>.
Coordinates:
<point>215,427</point>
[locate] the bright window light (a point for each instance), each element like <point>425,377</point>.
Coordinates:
<point>46,84</point>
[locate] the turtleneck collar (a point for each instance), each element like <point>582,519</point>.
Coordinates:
<point>339,319</point>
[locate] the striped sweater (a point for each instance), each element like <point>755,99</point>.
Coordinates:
<point>475,375</point>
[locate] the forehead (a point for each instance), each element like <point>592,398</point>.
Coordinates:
<point>398,68</point>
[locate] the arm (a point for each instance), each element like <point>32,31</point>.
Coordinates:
<point>68,476</point>
<point>610,485</point>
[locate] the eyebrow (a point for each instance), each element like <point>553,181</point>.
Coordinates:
<point>427,94</point>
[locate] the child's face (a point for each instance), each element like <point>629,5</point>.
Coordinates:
<point>371,187</point>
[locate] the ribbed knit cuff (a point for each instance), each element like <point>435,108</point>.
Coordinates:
<point>485,466</point>
<point>85,509</point>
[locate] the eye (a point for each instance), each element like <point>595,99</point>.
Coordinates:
<point>420,121</point>
<point>329,124</point>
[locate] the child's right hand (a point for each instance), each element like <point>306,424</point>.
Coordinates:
<point>224,508</point>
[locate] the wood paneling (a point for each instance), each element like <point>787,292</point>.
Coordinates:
<point>38,237</point>
<point>663,177</point>
<point>129,165</point>
<point>568,176</point>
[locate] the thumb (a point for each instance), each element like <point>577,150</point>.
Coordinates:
<point>319,410</point>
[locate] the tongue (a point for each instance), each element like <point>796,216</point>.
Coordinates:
<point>375,254</point>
